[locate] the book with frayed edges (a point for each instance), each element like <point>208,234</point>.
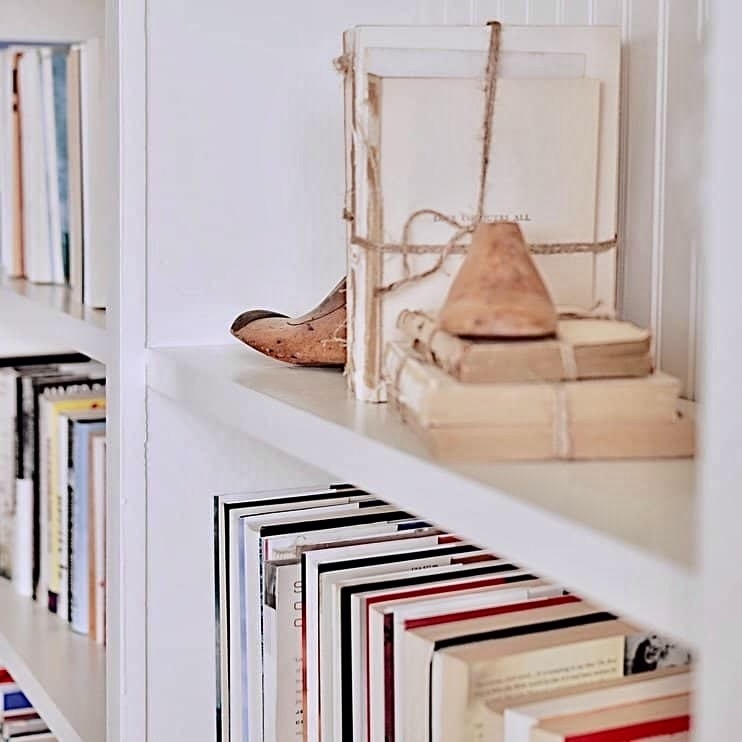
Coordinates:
<point>601,419</point>
<point>583,349</point>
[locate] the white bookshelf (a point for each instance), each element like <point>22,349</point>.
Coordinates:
<point>615,511</point>
<point>51,313</point>
<point>195,190</point>
<point>63,674</point>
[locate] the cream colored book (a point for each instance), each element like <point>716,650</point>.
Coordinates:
<point>583,349</point>
<point>513,721</point>
<point>416,649</point>
<point>611,418</point>
<point>415,112</point>
<point>660,719</point>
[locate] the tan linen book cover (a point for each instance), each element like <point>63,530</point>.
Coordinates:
<point>583,349</point>
<point>412,666</point>
<point>410,93</point>
<point>439,399</point>
<point>602,419</point>
<point>496,721</point>
<point>665,716</point>
<point>514,667</point>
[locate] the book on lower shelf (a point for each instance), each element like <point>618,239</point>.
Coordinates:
<point>52,490</point>
<point>18,718</point>
<point>49,100</point>
<point>340,616</point>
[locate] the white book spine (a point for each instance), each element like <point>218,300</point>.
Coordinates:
<point>62,473</point>
<point>7,157</point>
<point>99,519</point>
<point>7,470</point>
<point>35,191</point>
<point>283,702</point>
<point>23,558</point>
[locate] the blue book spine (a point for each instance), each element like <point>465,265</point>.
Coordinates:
<point>15,701</point>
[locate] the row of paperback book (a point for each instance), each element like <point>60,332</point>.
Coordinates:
<point>47,100</point>
<point>52,484</point>
<point>19,721</point>
<point>342,617</point>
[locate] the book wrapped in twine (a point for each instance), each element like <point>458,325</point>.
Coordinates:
<point>365,322</point>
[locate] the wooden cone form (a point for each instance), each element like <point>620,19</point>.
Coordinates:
<point>499,291</point>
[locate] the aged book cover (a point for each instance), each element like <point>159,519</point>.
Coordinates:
<point>410,92</point>
<point>610,418</point>
<point>584,349</point>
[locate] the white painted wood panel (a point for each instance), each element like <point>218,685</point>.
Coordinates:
<point>488,10</point>
<point>681,212</point>
<point>515,11</point>
<point>180,530</point>
<point>542,12</point>
<point>575,12</point>
<point>719,707</point>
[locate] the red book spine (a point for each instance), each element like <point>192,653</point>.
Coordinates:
<point>645,731</point>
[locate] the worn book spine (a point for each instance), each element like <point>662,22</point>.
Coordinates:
<point>484,362</point>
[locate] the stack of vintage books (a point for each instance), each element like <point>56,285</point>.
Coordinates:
<point>588,393</point>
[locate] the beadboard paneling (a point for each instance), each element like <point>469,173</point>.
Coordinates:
<point>659,271</point>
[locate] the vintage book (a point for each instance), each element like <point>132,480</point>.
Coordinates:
<point>664,718</point>
<point>611,418</point>
<point>583,349</point>
<point>513,720</point>
<point>412,196</point>
<point>509,666</point>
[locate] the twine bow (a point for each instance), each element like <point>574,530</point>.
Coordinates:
<point>454,246</point>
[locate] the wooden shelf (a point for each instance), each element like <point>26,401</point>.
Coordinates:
<point>50,313</point>
<point>63,674</point>
<point>620,532</point>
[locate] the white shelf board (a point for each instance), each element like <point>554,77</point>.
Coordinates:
<point>63,674</point>
<point>50,313</point>
<point>621,533</point>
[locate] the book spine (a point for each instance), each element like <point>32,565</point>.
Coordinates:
<point>24,530</point>
<point>7,475</point>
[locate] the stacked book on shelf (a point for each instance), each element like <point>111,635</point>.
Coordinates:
<point>48,96</point>
<point>19,721</point>
<point>52,484</point>
<point>587,393</point>
<point>341,617</point>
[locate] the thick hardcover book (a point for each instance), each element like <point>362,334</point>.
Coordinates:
<point>583,349</point>
<point>599,419</point>
<point>439,138</point>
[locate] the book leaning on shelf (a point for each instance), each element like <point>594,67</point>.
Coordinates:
<point>52,438</point>
<point>340,616</point>
<point>48,102</point>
